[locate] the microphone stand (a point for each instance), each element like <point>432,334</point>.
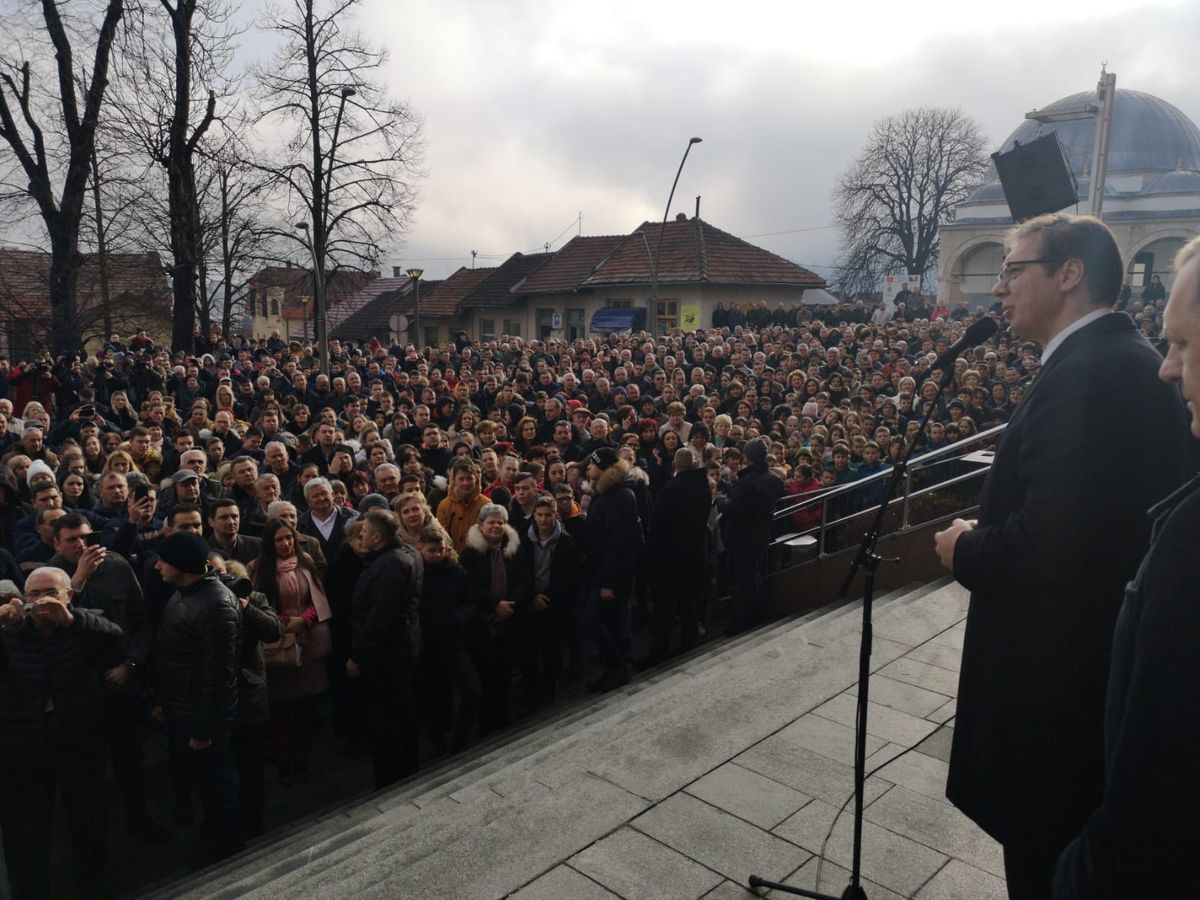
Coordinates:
<point>867,560</point>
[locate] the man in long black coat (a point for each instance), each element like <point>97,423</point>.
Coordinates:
<point>1061,529</point>
<point>1144,839</point>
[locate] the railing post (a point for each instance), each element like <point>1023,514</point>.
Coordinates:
<point>824,519</point>
<point>904,507</point>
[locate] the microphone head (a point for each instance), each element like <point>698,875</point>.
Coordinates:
<point>980,330</point>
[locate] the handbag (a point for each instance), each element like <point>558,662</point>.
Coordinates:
<point>317,640</point>
<point>284,652</point>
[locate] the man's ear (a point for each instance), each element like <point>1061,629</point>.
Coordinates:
<point>1070,275</point>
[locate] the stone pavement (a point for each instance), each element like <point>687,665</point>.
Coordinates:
<point>683,785</point>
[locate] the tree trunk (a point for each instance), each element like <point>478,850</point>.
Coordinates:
<point>61,282</point>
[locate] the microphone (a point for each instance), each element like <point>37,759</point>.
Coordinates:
<point>977,332</point>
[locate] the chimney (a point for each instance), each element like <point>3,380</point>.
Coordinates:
<point>697,206</point>
<point>680,217</point>
<point>395,271</point>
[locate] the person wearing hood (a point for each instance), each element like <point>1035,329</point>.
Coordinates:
<point>554,563</point>
<point>614,538</point>
<point>676,551</point>
<point>747,518</point>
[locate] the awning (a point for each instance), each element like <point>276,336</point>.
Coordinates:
<point>612,319</point>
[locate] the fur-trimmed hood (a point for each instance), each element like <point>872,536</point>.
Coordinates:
<point>620,472</point>
<point>477,542</point>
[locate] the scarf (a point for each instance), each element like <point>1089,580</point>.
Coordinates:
<point>498,587</point>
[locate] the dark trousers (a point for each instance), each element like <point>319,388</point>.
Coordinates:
<point>680,594</point>
<point>213,775</point>
<point>492,655</point>
<point>607,622</point>
<point>249,747</point>
<point>1029,870</point>
<point>291,732</point>
<point>747,576</point>
<point>127,712</point>
<point>444,671</point>
<point>392,720</point>
<point>544,634</point>
<point>72,769</point>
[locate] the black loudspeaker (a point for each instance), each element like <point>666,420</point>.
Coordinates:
<point>1036,178</point>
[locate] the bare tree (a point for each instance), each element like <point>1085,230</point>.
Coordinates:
<point>351,154</point>
<point>65,153</point>
<point>917,166</point>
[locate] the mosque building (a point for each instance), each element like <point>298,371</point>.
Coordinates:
<point>1151,195</point>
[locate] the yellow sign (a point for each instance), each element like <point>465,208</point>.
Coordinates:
<point>690,320</point>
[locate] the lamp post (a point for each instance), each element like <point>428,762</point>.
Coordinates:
<point>658,246</point>
<point>415,274</point>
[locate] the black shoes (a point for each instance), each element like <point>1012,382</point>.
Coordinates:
<point>613,678</point>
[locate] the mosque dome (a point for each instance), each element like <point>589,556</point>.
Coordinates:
<point>1150,137</point>
<point>1181,181</point>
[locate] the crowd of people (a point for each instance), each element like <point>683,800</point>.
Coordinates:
<point>432,542</point>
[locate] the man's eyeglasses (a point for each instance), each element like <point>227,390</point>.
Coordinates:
<point>1009,270</point>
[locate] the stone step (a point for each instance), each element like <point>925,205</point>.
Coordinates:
<point>508,761</point>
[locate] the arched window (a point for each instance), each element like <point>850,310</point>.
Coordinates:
<point>274,306</point>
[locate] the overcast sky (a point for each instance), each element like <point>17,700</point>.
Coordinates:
<point>536,111</point>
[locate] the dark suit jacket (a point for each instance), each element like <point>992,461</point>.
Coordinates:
<point>246,550</point>
<point>305,525</point>
<point>1143,839</point>
<point>1062,526</point>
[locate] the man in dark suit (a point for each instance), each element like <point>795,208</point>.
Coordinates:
<point>1144,839</point>
<point>324,520</point>
<point>1061,529</point>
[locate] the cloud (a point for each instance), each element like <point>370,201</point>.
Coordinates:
<point>537,111</point>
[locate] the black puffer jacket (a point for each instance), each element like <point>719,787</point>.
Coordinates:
<point>614,529</point>
<point>447,608</point>
<point>65,668</point>
<point>748,514</point>
<point>197,653</point>
<point>387,628</point>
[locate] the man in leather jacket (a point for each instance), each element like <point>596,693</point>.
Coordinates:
<point>198,653</point>
<point>387,638</point>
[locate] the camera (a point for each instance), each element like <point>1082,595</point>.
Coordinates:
<point>86,412</point>
<point>241,587</point>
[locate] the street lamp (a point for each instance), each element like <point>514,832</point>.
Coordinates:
<point>415,274</point>
<point>663,227</point>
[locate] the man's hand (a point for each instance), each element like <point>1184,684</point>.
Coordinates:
<point>504,610</point>
<point>117,675</point>
<point>89,562</point>
<point>52,611</point>
<point>295,625</point>
<point>353,669</point>
<point>141,512</point>
<point>194,744</point>
<point>12,612</point>
<point>607,593</point>
<point>540,602</point>
<point>944,541</point>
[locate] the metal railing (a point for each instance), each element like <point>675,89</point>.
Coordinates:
<point>938,485</point>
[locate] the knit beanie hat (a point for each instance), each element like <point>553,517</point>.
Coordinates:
<point>186,551</point>
<point>38,470</point>
<point>603,457</point>
<point>756,452</point>
<point>372,501</point>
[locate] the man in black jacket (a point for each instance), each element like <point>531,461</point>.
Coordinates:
<point>746,525</point>
<point>52,721</point>
<point>1144,839</point>
<point>1048,560</point>
<point>387,638</point>
<point>676,554</point>
<point>614,537</point>
<point>197,653</point>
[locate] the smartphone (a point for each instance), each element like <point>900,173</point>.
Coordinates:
<point>141,490</point>
<point>92,539</point>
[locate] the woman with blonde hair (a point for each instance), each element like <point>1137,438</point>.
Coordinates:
<point>118,461</point>
<point>414,513</point>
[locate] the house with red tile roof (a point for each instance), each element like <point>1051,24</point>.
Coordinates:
<point>280,298</point>
<point>138,296</point>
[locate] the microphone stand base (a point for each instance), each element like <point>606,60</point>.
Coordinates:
<point>852,892</point>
